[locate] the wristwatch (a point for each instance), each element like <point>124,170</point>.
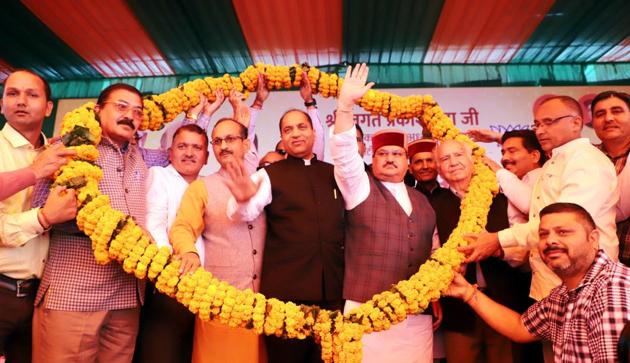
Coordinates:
<point>312,103</point>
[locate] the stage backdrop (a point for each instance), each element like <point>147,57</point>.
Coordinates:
<point>500,109</point>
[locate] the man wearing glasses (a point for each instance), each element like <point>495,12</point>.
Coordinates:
<point>577,172</point>
<point>85,311</point>
<point>233,249</point>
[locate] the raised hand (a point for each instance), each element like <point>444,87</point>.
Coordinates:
<point>262,92</point>
<point>51,159</point>
<point>240,184</point>
<point>305,88</point>
<point>493,165</point>
<point>354,86</point>
<point>236,98</point>
<point>210,108</point>
<point>484,135</point>
<point>195,111</point>
<point>240,112</point>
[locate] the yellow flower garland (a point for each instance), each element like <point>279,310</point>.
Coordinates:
<point>116,236</point>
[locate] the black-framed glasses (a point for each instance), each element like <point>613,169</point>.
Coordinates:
<point>546,122</point>
<point>230,139</point>
<point>123,108</point>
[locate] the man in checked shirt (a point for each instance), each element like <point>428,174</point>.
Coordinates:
<point>584,316</point>
<point>86,312</point>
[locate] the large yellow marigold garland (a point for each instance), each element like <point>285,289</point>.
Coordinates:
<point>116,236</point>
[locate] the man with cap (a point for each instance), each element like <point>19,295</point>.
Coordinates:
<point>423,167</point>
<point>389,226</point>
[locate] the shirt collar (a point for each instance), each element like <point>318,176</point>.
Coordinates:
<point>305,161</point>
<point>570,146</point>
<point>106,141</point>
<point>394,185</point>
<point>597,267</point>
<point>16,139</point>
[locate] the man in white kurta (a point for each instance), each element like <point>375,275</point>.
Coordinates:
<point>577,172</point>
<point>412,339</point>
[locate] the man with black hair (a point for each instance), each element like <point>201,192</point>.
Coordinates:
<point>522,158</point>
<point>166,326</point>
<point>584,316</point>
<point>25,158</point>
<point>93,309</point>
<point>611,121</point>
<point>305,228</point>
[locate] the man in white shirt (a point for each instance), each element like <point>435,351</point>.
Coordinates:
<point>577,172</point>
<point>23,230</point>
<point>389,229</point>
<point>164,320</point>
<point>166,327</point>
<point>522,158</point>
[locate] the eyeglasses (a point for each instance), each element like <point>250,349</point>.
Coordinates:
<point>123,108</point>
<point>546,122</point>
<point>395,153</point>
<point>230,139</point>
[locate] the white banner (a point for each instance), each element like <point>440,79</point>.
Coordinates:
<point>498,108</point>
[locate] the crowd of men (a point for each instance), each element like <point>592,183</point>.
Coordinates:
<point>549,267</point>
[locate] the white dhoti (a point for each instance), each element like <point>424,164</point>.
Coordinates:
<point>410,341</point>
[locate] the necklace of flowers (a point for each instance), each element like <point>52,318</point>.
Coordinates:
<point>115,236</point>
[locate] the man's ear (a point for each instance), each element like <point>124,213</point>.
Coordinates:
<point>49,108</point>
<point>593,238</point>
<point>537,156</point>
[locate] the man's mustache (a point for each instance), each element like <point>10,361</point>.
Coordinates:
<point>554,248</point>
<point>126,121</point>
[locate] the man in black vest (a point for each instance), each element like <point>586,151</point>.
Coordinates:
<point>468,338</point>
<point>304,244</point>
<point>390,227</point>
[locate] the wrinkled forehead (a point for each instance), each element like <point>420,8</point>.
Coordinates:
<point>226,127</point>
<point>125,96</point>
<point>422,155</point>
<point>294,118</point>
<point>450,147</point>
